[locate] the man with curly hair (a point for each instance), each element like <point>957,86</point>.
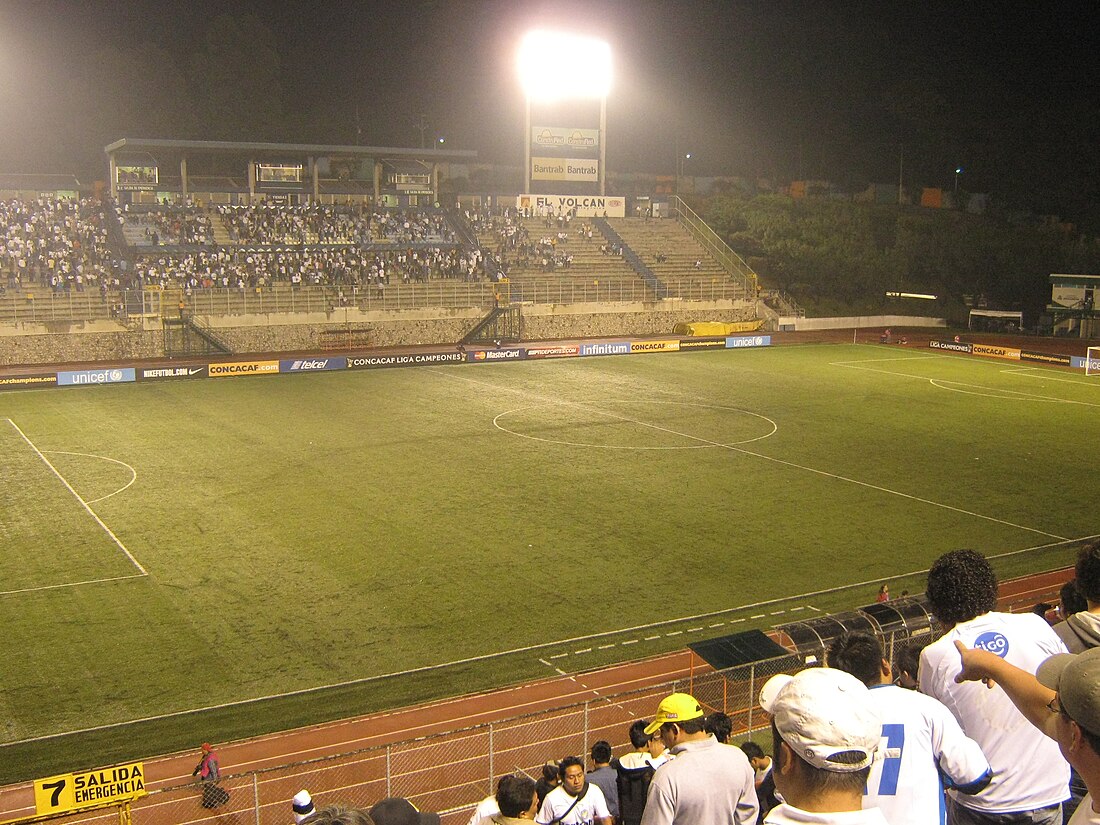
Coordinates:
<point>1030,777</point>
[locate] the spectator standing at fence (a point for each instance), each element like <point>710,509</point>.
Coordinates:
<point>576,801</point>
<point>705,782</point>
<point>634,774</point>
<point>604,776</point>
<point>516,800</point>
<point>208,769</point>
<point>824,737</point>
<point>923,742</point>
<point>396,810</point>
<point>719,725</point>
<point>1030,777</point>
<point>550,779</point>
<point>764,778</point>
<point>1081,630</point>
<point>302,806</point>
<point>487,808</point>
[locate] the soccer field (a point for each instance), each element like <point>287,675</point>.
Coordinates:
<point>346,541</point>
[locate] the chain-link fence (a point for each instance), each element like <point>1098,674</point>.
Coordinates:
<point>450,772</point>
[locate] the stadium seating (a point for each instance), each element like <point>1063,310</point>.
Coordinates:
<point>68,260</point>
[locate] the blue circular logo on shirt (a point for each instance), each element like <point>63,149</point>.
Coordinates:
<point>994,642</point>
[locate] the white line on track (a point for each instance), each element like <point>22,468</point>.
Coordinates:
<point>83,503</point>
<point>865,484</point>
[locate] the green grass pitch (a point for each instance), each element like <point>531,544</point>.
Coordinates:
<point>330,539</point>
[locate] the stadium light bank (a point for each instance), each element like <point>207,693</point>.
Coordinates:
<point>557,66</point>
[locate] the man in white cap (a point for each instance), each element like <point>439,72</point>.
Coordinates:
<point>302,805</point>
<point>824,737</point>
<point>706,782</point>
<point>1062,700</point>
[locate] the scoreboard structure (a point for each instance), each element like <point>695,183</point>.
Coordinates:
<point>1073,305</point>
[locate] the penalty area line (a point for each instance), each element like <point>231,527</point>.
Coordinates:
<point>83,503</point>
<point>73,584</point>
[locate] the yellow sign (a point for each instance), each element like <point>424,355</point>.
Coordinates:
<point>244,368</point>
<point>72,791</point>
<point>996,352</point>
<point>654,346</point>
<point>576,169</point>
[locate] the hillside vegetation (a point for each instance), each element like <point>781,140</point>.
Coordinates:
<point>837,257</point>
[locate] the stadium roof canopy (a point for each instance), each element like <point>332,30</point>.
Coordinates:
<point>285,149</point>
<point>396,158</point>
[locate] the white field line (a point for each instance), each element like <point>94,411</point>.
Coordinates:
<point>1047,375</point>
<point>83,503</point>
<point>527,649</point>
<point>592,409</point>
<point>72,584</point>
<point>991,392</point>
<point>123,488</point>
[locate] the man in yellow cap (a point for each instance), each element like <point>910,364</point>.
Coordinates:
<point>706,782</point>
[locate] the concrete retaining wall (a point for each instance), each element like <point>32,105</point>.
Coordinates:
<point>110,341</point>
<point>855,322</point>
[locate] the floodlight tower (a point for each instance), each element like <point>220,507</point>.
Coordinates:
<point>555,66</point>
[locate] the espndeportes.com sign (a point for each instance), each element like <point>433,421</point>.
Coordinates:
<point>238,369</point>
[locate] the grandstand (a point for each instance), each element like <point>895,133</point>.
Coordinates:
<point>295,264</point>
<point>183,278</point>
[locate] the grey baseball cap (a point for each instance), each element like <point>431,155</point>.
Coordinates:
<point>1076,677</point>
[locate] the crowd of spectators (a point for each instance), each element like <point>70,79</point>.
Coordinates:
<point>169,225</point>
<point>240,268</point>
<point>59,244</point>
<point>62,245</point>
<point>514,245</point>
<point>314,223</point>
<point>864,741</point>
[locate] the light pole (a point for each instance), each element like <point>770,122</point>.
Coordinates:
<point>958,171</point>
<point>681,161</point>
<point>556,66</point>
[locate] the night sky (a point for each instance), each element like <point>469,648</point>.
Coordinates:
<point>778,90</point>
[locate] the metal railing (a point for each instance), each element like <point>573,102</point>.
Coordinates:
<point>57,306</point>
<point>583,290</point>
<point>449,773</point>
<point>433,294</point>
<point>718,249</point>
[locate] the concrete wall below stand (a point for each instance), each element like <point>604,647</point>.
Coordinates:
<point>281,333</point>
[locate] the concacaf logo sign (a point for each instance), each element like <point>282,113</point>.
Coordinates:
<point>244,368</point>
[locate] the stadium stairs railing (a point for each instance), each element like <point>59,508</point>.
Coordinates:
<point>189,336</point>
<point>632,258</point>
<point>733,263</point>
<point>503,323</point>
<point>468,237</point>
<point>783,303</point>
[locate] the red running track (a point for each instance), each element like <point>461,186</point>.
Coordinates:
<point>444,716</point>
